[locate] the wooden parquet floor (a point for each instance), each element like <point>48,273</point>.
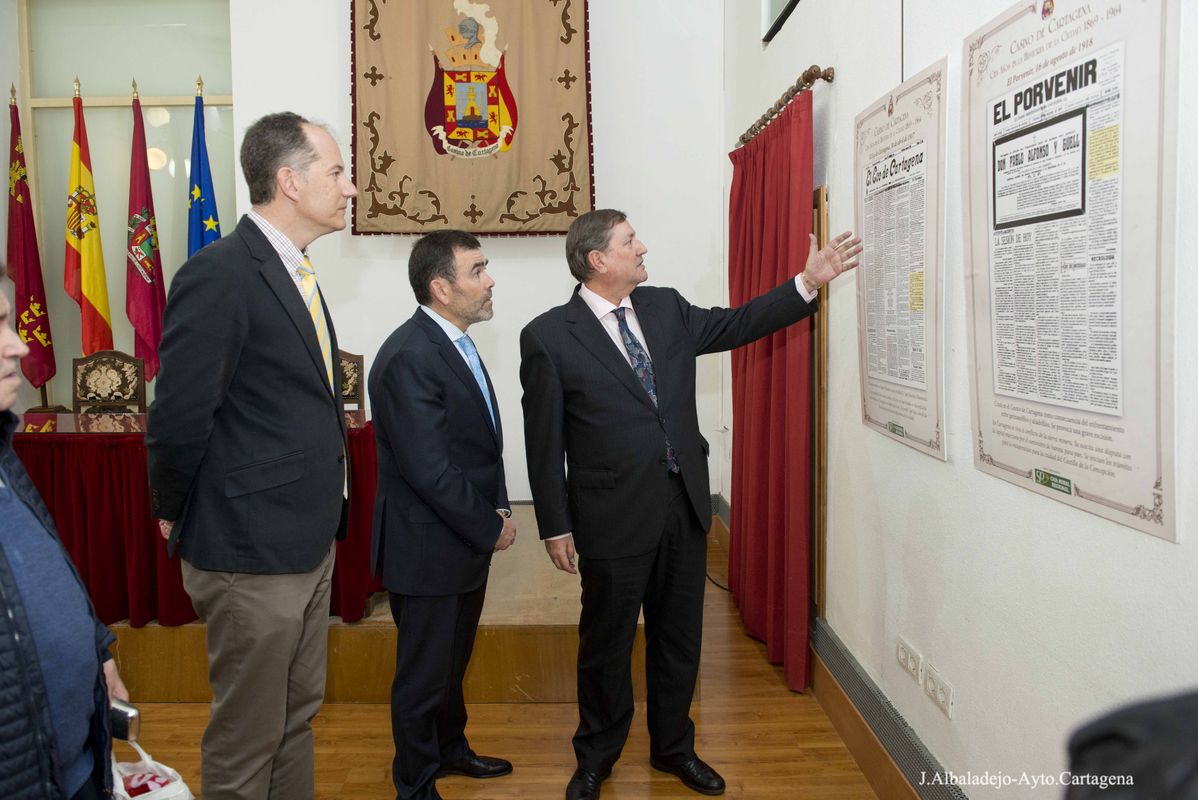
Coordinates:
<point>768,742</point>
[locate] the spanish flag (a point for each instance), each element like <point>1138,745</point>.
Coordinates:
<point>83,272</point>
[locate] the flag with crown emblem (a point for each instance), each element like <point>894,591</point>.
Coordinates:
<point>145,297</point>
<point>83,270</point>
<point>25,265</point>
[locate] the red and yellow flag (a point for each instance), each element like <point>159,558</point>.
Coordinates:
<point>83,272</point>
<point>25,266</point>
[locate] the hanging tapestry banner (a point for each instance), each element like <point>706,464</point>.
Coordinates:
<point>471,115</point>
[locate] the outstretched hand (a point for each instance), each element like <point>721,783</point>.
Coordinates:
<point>837,256</point>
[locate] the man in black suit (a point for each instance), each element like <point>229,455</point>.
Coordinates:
<point>441,509</point>
<point>247,464</point>
<point>619,476</point>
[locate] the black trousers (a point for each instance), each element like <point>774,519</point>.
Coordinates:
<point>669,583</point>
<point>428,712</point>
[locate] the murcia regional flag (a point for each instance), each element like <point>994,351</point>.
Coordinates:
<point>83,272</point>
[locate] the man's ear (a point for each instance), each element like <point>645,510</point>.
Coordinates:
<point>439,289</point>
<point>595,259</point>
<point>287,183</point>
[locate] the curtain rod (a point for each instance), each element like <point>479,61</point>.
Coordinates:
<point>805,82</point>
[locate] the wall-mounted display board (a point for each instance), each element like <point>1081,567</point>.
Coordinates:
<point>1069,143</point>
<point>899,204</point>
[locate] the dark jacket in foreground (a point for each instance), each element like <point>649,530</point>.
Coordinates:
<point>596,443</point>
<point>246,440</point>
<point>27,764</point>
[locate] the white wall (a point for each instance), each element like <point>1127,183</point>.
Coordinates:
<point>670,186</point>
<point>1039,615</point>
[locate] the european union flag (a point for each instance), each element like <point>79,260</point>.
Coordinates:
<point>203,223</point>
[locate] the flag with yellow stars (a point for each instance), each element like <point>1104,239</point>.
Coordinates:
<point>203,223</point>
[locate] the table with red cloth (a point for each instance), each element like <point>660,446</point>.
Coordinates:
<point>91,471</point>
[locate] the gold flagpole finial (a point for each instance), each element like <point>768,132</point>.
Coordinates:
<point>76,85</point>
<point>12,94</point>
<point>135,95</point>
<point>199,86</point>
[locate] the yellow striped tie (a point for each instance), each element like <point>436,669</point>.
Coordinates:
<point>316,311</point>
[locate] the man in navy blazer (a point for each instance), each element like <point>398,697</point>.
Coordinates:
<point>246,455</point>
<point>618,469</point>
<point>441,509</point>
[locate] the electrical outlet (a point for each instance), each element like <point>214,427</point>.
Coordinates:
<point>911,660</point>
<point>937,688</point>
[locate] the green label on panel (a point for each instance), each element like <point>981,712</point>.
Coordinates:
<point>896,429</point>
<point>1045,478</point>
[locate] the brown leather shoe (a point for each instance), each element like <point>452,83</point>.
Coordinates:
<point>472,765</point>
<point>584,785</point>
<point>695,773</point>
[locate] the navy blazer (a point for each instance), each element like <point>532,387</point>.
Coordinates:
<point>440,465</point>
<point>596,443</point>
<point>246,438</point>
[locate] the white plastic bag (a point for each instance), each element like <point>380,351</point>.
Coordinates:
<point>147,772</point>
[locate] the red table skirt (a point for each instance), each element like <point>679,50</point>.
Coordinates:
<point>96,488</point>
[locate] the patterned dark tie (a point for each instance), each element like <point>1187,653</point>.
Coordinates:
<point>643,368</point>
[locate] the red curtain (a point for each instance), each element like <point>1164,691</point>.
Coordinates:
<point>769,557</point>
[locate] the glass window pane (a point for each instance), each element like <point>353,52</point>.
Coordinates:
<point>164,45</point>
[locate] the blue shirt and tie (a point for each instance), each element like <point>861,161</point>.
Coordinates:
<point>469,353</point>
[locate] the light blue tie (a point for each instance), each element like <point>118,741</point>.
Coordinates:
<point>476,367</point>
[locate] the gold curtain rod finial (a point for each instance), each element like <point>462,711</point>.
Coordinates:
<point>199,86</point>
<point>135,95</point>
<point>806,80</point>
<point>76,85</point>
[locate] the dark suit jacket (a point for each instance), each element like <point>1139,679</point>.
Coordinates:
<point>596,443</point>
<point>246,439</point>
<point>440,465</point>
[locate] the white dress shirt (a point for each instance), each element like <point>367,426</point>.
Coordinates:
<point>289,254</point>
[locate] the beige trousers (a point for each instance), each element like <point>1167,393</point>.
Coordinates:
<point>267,641</point>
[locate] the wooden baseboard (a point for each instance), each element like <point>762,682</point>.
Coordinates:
<point>875,763</point>
<point>510,664</point>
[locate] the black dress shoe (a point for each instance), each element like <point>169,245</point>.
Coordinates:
<point>584,785</point>
<point>472,765</point>
<point>695,773</point>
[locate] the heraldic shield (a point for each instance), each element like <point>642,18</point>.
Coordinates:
<point>470,112</point>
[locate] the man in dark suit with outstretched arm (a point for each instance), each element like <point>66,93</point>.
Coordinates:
<point>619,476</point>
<point>246,449</point>
<point>441,509</point>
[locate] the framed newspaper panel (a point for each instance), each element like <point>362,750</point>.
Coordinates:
<point>899,205</point>
<point>1069,144</point>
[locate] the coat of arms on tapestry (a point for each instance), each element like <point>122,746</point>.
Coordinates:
<point>471,115</point>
